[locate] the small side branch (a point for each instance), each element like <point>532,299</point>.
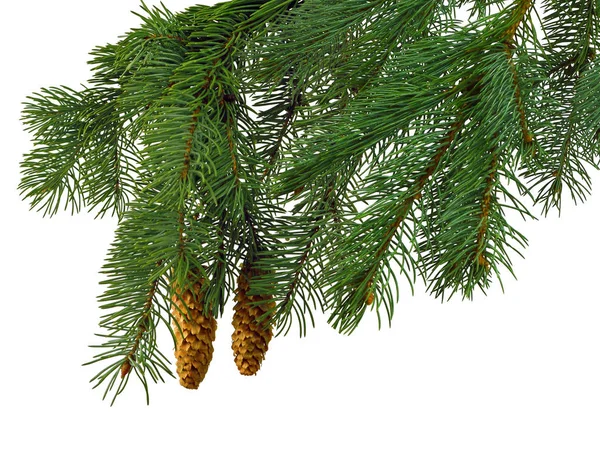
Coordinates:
<point>305,253</point>
<point>569,65</point>
<point>277,147</point>
<point>469,88</point>
<point>187,155</point>
<point>299,266</point>
<point>231,144</point>
<point>527,135</point>
<point>142,328</point>
<point>567,170</point>
<point>187,159</point>
<point>521,9</point>
<point>485,212</point>
<point>415,192</point>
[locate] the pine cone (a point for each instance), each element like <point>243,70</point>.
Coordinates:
<point>194,338</point>
<point>250,339</point>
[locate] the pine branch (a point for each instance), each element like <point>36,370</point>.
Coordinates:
<point>82,155</point>
<point>300,277</point>
<point>361,289</point>
<point>333,146</point>
<point>136,290</point>
<point>354,274</point>
<point>416,189</point>
<point>587,113</point>
<point>519,11</point>
<point>571,36</point>
<point>466,202</point>
<point>185,138</point>
<point>288,302</point>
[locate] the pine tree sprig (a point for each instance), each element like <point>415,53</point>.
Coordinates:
<point>571,37</point>
<point>333,148</point>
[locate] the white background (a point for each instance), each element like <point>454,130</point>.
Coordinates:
<point>508,380</point>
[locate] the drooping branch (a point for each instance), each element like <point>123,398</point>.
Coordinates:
<point>470,89</point>
<point>301,263</point>
<point>415,193</point>
<point>527,135</point>
<point>129,359</point>
<point>520,11</point>
<point>184,175</point>
<point>571,40</point>
<point>275,150</point>
<point>388,104</point>
<point>486,203</point>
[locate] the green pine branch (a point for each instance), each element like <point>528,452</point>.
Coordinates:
<point>82,154</point>
<point>571,38</point>
<point>337,147</point>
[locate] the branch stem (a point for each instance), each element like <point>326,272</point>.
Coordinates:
<point>142,328</point>
<point>521,9</point>
<point>485,211</point>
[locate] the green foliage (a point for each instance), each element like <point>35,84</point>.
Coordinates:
<point>569,49</point>
<point>337,146</point>
<point>82,155</point>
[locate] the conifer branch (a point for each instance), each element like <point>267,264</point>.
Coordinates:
<point>414,191</point>
<point>287,302</point>
<point>572,36</point>
<point>520,11</point>
<point>554,189</point>
<point>568,64</point>
<point>326,204</point>
<point>384,132</point>
<point>79,157</point>
<point>131,331</point>
<point>415,194</point>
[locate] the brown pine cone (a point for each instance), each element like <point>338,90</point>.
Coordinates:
<point>250,339</point>
<point>194,336</point>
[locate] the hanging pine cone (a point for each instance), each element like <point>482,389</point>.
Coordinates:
<point>250,339</point>
<point>194,336</point>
